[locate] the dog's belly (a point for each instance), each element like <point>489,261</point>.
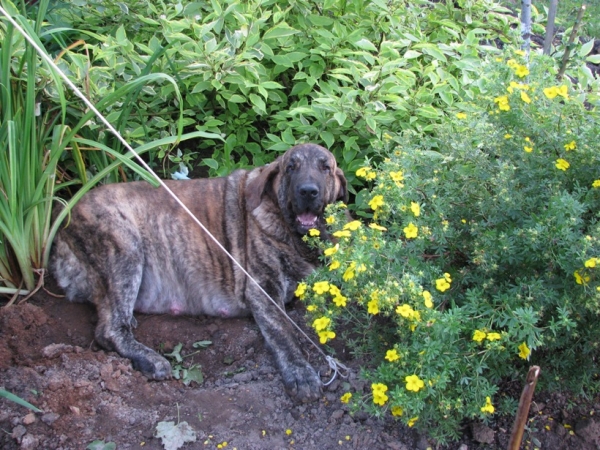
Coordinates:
<point>165,294</point>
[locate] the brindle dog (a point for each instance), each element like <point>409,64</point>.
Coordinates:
<point>129,247</point>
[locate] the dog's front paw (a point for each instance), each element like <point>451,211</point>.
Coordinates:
<point>153,366</point>
<point>302,383</point>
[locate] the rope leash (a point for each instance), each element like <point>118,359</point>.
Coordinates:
<point>337,367</point>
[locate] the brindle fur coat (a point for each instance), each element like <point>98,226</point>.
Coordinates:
<point>129,247</point>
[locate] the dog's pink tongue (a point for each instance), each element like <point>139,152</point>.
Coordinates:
<point>307,220</point>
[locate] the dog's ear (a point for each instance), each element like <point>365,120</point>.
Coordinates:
<point>260,184</point>
<point>342,193</point>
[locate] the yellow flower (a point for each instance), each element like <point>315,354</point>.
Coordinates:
<point>321,323</point>
<point>320,287</point>
<point>326,335</point>
<point>342,233</point>
<point>414,383</point>
<point>521,71</point>
<point>331,250</point>
<point>405,310</point>
<point>334,265</point>
<point>367,173</point>
<point>352,226</point>
<point>596,184</point>
<point>561,164</point>
<point>563,91</point>
<point>571,146</point>
<point>412,421</point>
<point>346,397</point>
<point>377,227</point>
<point>392,355</point>
<point>551,92</point>
<point>512,63</point>
<point>488,407</point>
<point>528,149</point>
<point>525,97</point>
<point>339,300</point>
<point>579,279</point>
<point>373,307</point>
<point>461,115</point>
<point>428,299</point>
<point>415,208</point>
<point>397,411</point>
<point>397,178</point>
<point>288,431</point>
<point>493,337</point>
<point>442,285</point>
<point>507,136</point>
<point>379,390</point>
<point>330,220</point>
<point>591,262</point>
<point>376,202</point>
<point>524,351</point>
<point>502,103</point>
<point>314,232</point>
<point>479,335</point>
<point>311,308</point>
<point>300,290</point>
<point>411,231</point>
<point>350,272</point>
<point>520,52</point>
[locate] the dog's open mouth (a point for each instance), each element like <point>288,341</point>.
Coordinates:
<point>307,220</point>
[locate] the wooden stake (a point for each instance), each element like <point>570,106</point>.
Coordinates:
<point>523,411</point>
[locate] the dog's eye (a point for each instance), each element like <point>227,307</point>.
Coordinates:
<point>290,167</point>
<point>326,168</point>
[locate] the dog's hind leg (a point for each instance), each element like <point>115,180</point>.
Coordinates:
<point>116,322</point>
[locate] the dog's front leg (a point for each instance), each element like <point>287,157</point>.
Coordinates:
<point>299,378</point>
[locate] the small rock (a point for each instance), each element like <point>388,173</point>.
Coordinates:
<point>243,377</point>
<point>75,410</point>
<point>335,384</point>
<point>463,447</point>
<point>482,433</point>
<point>337,414</point>
<point>50,418</point>
<point>29,419</point>
<point>29,442</point>
<point>18,432</point>
<point>54,350</point>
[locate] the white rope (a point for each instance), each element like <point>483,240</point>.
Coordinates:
<point>334,364</point>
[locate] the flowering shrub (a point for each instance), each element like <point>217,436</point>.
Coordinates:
<point>479,255</point>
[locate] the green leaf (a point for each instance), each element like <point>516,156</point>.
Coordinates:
<point>365,44</point>
<point>411,54</point>
<point>586,48</point>
<point>101,445</point>
<point>18,400</point>
<point>328,138</point>
<point>594,59</point>
<point>236,98</point>
<point>279,31</point>
<point>428,112</point>
<point>340,117</point>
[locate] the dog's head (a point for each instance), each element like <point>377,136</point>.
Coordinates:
<point>302,182</point>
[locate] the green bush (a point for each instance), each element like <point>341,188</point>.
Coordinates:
<point>481,254</point>
<point>267,74</point>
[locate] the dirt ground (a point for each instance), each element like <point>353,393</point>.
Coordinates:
<point>86,395</point>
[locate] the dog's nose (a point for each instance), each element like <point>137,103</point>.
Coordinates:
<point>309,191</point>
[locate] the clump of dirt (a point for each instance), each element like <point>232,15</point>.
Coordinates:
<point>48,358</point>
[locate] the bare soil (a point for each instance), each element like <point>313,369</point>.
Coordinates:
<point>48,357</point>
